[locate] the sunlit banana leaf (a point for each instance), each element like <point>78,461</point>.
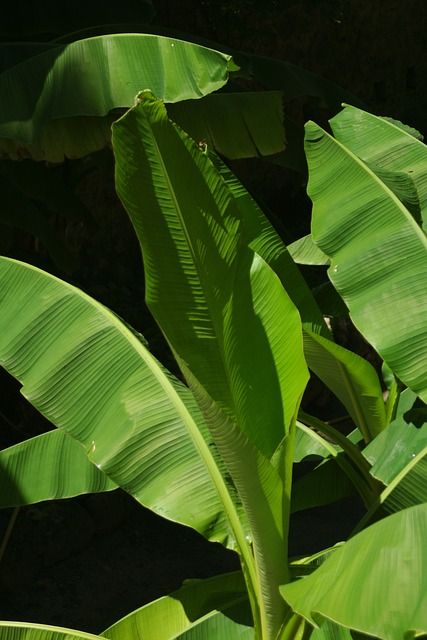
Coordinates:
<point>352,379</point>
<point>213,297</point>
<point>91,78</point>
<point>48,467</point>
<point>91,376</point>
<point>304,251</point>
<point>217,625</point>
<point>378,255</point>
<point>235,124</point>
<point>264,240</point>
<point>167,617</point>
<point>331,631</point>
<point>32,631</point>
<point>389,600</point>
<point>386,145</point>
<point>203,284</point>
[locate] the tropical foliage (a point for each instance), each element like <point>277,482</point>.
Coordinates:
<point>214,447</point>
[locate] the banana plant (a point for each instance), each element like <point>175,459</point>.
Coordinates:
<point>214,452</point>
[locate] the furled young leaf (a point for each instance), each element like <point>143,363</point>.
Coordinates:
<point>167,617</point>
<point>90,78</point>
<point>234,123</point>
<point>385,145</point>
<point>378,255</point>
<point>48,467</point>
<point>352,379</point>
<point>376,583</point>
<point>91,376</point>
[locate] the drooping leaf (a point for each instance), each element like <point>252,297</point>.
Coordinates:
<point>376,583</point>
<point>48,467</point>
<point>352,379</point>
<point>385,145</point>
<point>234,123</point>
<point>165,618</point>
<point>91,376</point>
<point>54,109</point>
<point>378,255</point>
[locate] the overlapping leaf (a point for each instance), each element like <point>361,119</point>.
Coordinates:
<point>91,78</point>
<point>389,600</point>
<point>378,255</point>
<point>167,617</point>
<point>91,376</point>
<point>47,467</point>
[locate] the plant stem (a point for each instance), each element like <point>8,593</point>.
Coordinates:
<point>8,532</point>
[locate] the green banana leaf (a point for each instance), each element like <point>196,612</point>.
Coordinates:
<point>91,376</point>
<point>264,240</point>
<point>33,631</point>
<point>91,78</point>
<point>386,145</point>
<point>327,483</point>
<point>48,467</point>
<point>305,251</point>
<point>352,379</point>
<point>203,282</point>
<point>378,255</point>
<point>376,583</point>
<point>212,297</point>
<point>393,449</point>
<point>170,616</point>
<point>217,625</point>
<point>234,123</point>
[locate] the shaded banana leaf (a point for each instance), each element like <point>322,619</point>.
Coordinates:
<point>301,567</point>
<point>45,91</point>
<point>168,617</point>
<point>376,583</point>
<point>309,443</point>
<point>378,255</point>
<point>331,631</point>
<point>327,483</point>
<point>33,631</point>
<point>212,297</point>
<point>234,123</point>
<point>393,449</point>
<point>91,376</point>
<point>48,467</point>
<point>388,148</point>
<point>304,251</point>
<point>352,379</point>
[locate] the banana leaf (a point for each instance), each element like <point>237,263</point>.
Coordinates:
<point>378,255</point>
<point>352,379</point>
<point>234,124</point>
<point>386,145</point>
<point>172,615</point>
<point>213,296</point>
<point>91,376</point>
<point>305,251</point>
<point>91,78</point>
<point>48,467</point>
<point>33,631</point>
<point>376,583</point>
